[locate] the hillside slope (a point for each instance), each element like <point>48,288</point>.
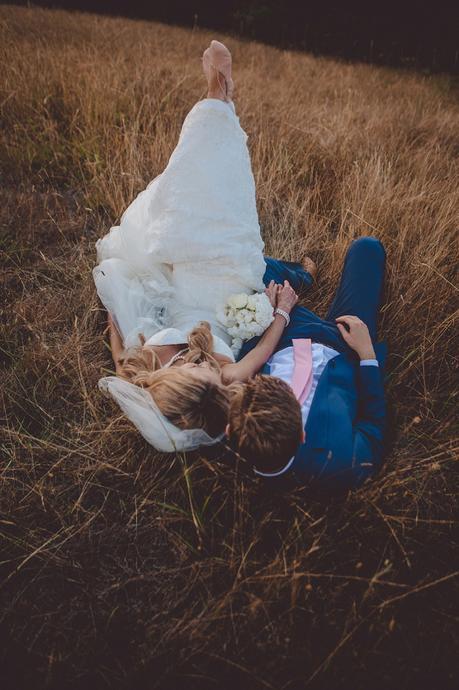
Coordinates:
<point>121,567</point>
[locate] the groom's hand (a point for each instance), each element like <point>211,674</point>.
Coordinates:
<point>282,296</point>
<point>286,297</point>
<point>355,332</point>
<point>272,291</point>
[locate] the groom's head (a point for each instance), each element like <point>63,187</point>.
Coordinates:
<point>265,425</point>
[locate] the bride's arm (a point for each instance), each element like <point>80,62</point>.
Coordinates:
<point>116,344</point>
<point>256,358</point>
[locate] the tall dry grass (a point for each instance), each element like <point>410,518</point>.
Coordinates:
<point>121,567</point>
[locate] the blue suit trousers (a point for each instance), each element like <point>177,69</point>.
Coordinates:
<point>359,293</point>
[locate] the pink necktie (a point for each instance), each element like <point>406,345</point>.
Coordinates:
<point>302,371</point>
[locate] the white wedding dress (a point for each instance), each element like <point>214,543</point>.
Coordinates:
<point>190,240</point>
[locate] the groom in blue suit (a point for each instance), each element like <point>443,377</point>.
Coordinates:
<point>345,413</point>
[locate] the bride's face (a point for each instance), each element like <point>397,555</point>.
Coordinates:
<point>202,372</point>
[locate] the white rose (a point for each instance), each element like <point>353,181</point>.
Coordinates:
<point>252,302</point>
<point>264,312</point>
<point>238,301</point>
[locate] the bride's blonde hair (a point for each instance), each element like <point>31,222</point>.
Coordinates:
<point>136,361</point>
<point>187,402</point>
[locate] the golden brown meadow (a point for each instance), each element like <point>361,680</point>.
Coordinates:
<point>121,567</point>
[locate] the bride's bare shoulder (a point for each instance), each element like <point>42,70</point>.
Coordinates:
<point>226,364</point>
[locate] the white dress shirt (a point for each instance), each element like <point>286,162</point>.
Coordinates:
<point>282,364</point>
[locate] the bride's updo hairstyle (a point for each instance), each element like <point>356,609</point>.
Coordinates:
<point>201,346</point>
<point>186,401</point>
<point>138,361</point>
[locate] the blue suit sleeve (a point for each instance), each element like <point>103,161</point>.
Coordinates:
<point>369,427</point>
<point>340,471</point>
<point>277,270</point>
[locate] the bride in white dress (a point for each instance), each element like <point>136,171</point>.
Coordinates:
<point>184,245</point>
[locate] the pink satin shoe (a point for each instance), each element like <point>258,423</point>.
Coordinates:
<point>218,57</point>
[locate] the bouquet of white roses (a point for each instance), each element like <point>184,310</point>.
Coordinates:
<point>245,316</point>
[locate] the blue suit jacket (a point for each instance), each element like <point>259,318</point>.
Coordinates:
<point>345,426</point>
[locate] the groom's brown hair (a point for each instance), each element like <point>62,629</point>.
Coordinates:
<point>265,424</point>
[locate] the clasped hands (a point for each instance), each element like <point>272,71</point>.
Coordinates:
<point>353,330</point>
<point>281,296</point>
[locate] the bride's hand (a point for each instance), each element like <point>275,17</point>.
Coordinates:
<point>272,291</point>
<point>286,297</point>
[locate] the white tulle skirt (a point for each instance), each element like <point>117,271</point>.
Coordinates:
<point>191,238</point>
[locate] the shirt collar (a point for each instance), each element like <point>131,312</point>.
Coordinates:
<point>275,474</point>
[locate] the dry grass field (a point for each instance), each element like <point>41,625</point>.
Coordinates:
<point>124,568</point>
